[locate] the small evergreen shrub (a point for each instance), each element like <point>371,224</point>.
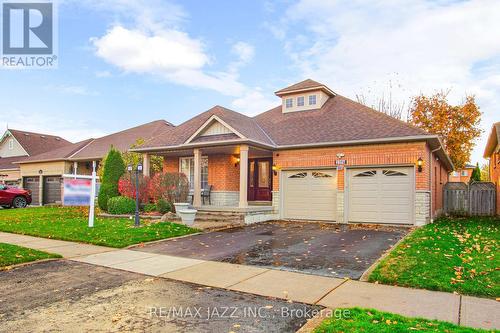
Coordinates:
<point>121,205</point>
<point>150,207</point>
<point>163,206</point>
<point>113,169</point>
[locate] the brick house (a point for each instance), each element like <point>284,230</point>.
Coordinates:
<point>462,175</point>
<point>42,173</point>
<point>317,156</point>
<point>492,153</point>
<point>16,145</point>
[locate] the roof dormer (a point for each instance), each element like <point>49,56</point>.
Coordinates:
<point>303,96</point>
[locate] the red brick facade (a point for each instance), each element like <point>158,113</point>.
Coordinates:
<point>495,175</point>
<point>380,154</point>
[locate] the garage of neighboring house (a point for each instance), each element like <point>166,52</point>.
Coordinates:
<point>52,189</point>
<point>310,194</point>
<point>381,195</point>
<point>33,184</point>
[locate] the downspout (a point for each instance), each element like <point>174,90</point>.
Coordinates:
<point>431,159</point>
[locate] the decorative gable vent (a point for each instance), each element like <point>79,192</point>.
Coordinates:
<point>215,128</point>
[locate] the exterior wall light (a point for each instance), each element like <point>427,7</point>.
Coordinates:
<point>275,169</point>
<point>420,164</point>
<point>237,162</point>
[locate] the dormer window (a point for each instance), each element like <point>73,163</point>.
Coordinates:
<point>300,101</point>
<point>11,144</point>
<point>289,103</point>
<point>312,99</point>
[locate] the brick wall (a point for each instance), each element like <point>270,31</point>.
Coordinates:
<point>222,173</point>
<point>495,176</point>
<point>379,154</point>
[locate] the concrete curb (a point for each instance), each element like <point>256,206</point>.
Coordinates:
<point>10,267</point>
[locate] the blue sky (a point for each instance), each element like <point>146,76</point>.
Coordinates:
<point>126,62</point>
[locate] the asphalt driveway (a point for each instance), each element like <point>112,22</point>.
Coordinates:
<point>320,249</point>
<point>66,296</point>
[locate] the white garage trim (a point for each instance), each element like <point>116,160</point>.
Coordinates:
<point>347,187</point>
<point>310,183</point>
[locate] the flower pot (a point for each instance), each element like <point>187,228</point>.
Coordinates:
<point>180,206</point>
<point>187,216</point>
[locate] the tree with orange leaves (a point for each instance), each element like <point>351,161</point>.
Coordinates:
<point>458,126</point>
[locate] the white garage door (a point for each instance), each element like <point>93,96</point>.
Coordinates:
<point>310,194</point>
<point>381,195</point>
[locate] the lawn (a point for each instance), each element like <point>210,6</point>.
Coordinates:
<point>13,254</point>
<point>372,321</point>
<point>453,254</point>
<point>70,223</point>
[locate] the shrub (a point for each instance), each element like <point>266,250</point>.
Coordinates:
<point>121,205</point>
<point>163,206</point>
<point>113,169</point>
<point>126,187</point>
<point>150,207</point>
<point>171,186</point>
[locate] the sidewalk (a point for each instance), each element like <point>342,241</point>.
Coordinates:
<point>298,287</point>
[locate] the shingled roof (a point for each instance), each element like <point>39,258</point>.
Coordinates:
<point>37,143</point>
<point>338,120</point>
<point>305,85</point>
<point>493,140</point>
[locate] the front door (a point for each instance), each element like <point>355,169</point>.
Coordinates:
<point>260,179</point>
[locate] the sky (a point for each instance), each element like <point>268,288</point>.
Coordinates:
<point>127,62</point>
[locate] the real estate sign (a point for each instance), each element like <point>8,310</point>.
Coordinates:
<point>77,192</point>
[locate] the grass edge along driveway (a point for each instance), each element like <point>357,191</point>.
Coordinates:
<point>354,320</point>
<point>13,255</point>
<point>452,255</point>
<point>70,224</point>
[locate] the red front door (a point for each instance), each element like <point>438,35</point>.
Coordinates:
<point>260,179</point>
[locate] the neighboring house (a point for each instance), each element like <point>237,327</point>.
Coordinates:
<point>42,174</point>
<point>17,145</point>
<point>462,175</point>
<point>317,156</point>
<point>492,153</point>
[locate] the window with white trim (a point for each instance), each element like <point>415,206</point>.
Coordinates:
<point>186,166</point>
<point>465,173</point>
<point>312,99</point>
<point>289,103</point>
<point>454,173</point>
<point>300,101</point>
<point>11,144</point>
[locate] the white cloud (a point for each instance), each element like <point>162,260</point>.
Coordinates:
<point>253,102</point>
<point>358,47</point>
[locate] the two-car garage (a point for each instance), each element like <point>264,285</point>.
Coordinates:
<point>372,195</point>
<point>51,190</point>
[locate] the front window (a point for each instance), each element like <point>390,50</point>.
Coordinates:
<point>300,101</point>
<point>289,102</point>
<point>187,167</point>
<point>312,100</point>
<point>465,173</point>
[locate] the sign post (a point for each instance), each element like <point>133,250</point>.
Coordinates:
<point>92,197</point>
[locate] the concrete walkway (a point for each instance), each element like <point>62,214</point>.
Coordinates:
<point>298,287</point>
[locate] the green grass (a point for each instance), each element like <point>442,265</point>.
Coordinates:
<point>373,321</point>
<point>13,254</point>
<point>70,223</point>
<point>453,254</point>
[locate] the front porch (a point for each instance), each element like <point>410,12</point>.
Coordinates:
<point>218,173</point>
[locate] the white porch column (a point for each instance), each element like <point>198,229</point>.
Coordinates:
<point>40,190</point>
<point>197,178</point>
<point>75,168</point>
<point>243,176</point>
<point>146,165</point>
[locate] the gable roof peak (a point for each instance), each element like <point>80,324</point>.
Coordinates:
<point>305,85</point>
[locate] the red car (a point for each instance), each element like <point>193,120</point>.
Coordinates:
<point>14,197</point>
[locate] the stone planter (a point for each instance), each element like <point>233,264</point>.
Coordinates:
<point>180,206</point>
<point>187,216</point>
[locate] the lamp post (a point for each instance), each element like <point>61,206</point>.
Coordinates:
<point>130,168</point>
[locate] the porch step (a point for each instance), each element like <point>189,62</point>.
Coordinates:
<point>224,218</point>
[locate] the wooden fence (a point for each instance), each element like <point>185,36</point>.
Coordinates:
<point>475,199</point>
